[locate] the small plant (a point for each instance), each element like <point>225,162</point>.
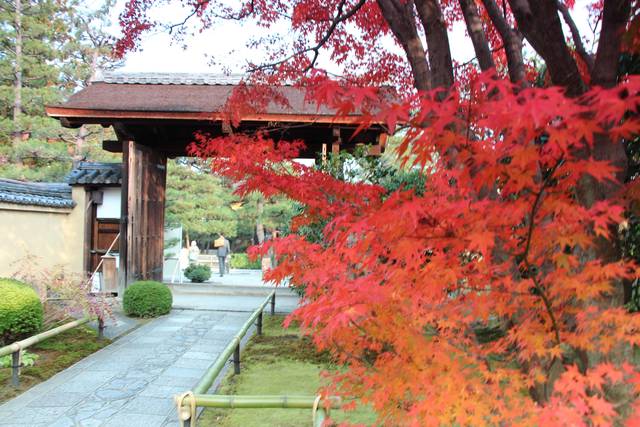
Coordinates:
<point>197,273</point>
<point>147,299</point>
<point>62,294</point>
<point>27,359</point>
<point>21,312</point>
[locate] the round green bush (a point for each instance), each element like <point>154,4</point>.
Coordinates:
<point>20,311</point>
<point>197,273</point>
<point>147,299</point>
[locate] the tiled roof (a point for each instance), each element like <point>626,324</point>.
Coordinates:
<point>52,195</point>
<point>95,173</point>
<point>169,78</point>
<point>185,93</point>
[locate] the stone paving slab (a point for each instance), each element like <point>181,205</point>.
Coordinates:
<point>132,381</point>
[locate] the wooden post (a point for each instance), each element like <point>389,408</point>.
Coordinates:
<point>273,304</point>
<point>100,328</point>
<point>236,359</point>
<point>324,155</point>
<point>337,140</point>
<point>259,324</point>
<point>16,364</point>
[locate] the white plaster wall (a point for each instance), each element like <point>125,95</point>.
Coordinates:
<point>110,207</point>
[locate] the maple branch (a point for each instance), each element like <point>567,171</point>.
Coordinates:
<point>340,17</point>
<point>539,22</point>
<point>195,10</point>
<point>530,272</point>
<point>511,40</point>
<point>575,34</point>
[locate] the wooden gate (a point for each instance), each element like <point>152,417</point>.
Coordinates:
<point>142,228</point>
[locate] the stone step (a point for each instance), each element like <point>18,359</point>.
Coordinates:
<point>229,290</point>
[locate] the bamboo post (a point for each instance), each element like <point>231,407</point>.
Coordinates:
<point>320,416</point>
<point>273,303</point>
<point>259,325</point>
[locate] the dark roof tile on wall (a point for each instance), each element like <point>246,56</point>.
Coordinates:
<point>95,173</point>
<point>45,194</point>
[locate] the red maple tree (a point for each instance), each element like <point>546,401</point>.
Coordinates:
<point>515,233</point>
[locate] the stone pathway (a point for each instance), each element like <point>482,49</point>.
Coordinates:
<point>131,382</point>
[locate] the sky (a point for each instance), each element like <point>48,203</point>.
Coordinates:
<point>226,43</point>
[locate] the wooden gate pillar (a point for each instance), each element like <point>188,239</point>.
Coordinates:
<point>144,175</point>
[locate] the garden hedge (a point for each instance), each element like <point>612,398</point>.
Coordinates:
<point>147,299</point>
<point>241,261</point>
<point>21,311</point>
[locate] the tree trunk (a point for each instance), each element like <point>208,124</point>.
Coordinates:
<point>539,22</point>
<point>81,139</point>
<point>435,30</point>
<point>399,15</point>
<point>477,35</point>
<point>614,18</point>
<point>83,132</point>
<point>17,71</point>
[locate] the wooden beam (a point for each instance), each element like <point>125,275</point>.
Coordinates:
<point>98,116</point>
<point>112,146</point>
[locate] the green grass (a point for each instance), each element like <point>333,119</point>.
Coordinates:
<point>55,354</point>
<point>280,362</point>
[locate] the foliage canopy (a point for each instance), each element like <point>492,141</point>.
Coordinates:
<point>516,230</point>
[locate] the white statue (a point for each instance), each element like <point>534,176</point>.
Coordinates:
<point>194,252</point>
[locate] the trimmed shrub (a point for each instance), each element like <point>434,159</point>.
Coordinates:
<point>21,311</point>
<point>242,261</point>
<point>147,299</point>
<point>197,273</point>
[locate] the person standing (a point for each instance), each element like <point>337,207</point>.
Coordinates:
<point>224,248</point>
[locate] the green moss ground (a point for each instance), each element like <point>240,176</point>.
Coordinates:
<point>55,354</point>
<point>280,362</point>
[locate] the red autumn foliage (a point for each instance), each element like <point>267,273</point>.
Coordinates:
<point>511,238</point>
<point>404,283</point>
